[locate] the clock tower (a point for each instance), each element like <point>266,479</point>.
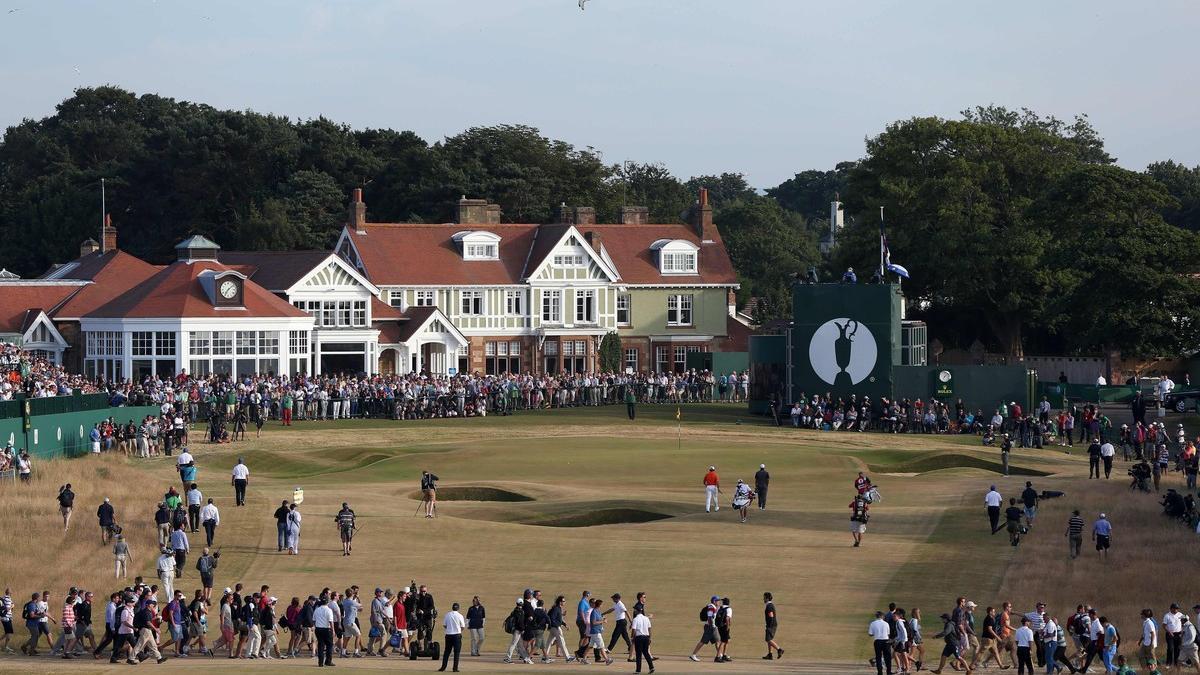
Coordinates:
<point>229,290</point>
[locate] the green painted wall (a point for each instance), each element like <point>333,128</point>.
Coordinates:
<point>980,387</point>
<point>64,434</point>
<point>823,360</point>
<point>768,370</point>
<point>648,307</point>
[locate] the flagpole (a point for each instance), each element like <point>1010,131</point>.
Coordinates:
<point>103,210</point>
<point>678,429</point>
<point>882,267</point>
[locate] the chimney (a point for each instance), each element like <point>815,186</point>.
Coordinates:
<point>585,215</point>
<point>594,239</point>
<point>491,214</point>
<point>88,246</point>
<point>564,214</point>
<point>472,211</point>
<point>110,235</point>
<point>702,216</point>
<point>358,211</point>
<point>634,215</point>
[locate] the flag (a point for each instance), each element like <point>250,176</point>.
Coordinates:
<point>898,270</point>
<point>678,413</point>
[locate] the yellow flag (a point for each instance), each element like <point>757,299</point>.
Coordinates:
<point>678,413</point>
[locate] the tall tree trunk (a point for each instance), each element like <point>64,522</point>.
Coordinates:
<point>1007,330</point>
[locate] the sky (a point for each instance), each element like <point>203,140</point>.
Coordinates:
<point>765,88</point>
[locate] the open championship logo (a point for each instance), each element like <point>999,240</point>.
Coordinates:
<point>842,352</point>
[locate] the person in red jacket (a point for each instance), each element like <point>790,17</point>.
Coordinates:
<point>712,487</point>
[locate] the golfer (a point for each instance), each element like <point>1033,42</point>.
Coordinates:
<point>210,518</point>
<point>240,477</point>
<point>993,501</point>
<point>1102,535</point>
<point>712,487</point>
<point>429,492</point>
<point>761,480</point>
<point>345,523</point>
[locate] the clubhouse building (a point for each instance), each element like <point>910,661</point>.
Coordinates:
<point>476,295</point>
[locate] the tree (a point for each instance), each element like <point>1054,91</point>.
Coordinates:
<point>768,246</point>
<point>611,355</point>
<point>809,193</point>
<point>959,198</point>
<point>1183,184</point>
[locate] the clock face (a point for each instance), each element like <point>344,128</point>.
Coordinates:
<point>228,289</point>
<point>944,376</point>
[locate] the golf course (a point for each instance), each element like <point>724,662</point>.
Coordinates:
<point>577,499</point>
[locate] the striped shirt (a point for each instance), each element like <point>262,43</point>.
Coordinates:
<point>6,608</point>
<point>1075,526</point>
<point>68,614</point>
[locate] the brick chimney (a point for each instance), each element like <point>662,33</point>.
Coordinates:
<point>110,235</point>
<point>634,215</point>
<point>472,211</point>
<point>358,211</point>
<point>585,215</point>
<point>565,214</point>
<point>88,246</point>
<point>491,214</point>
<point>594,239</point>
<point>702,216</point>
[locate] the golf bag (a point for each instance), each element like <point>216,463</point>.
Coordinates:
<point>872,496</point>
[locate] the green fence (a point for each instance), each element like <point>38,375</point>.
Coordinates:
<point>1059,394</point>
<point>54,405</point>
<point>64,434</point>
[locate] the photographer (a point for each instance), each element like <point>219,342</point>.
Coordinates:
<point>429,492</point>
<point>205,564</point>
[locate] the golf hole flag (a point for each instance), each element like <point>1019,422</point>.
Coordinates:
<point>678,413</point>
<point>298,495</point>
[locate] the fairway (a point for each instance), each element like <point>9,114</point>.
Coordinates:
<point>573,499</point>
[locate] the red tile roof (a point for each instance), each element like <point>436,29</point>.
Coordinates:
<point>176,292</point>
<point>17,298</point>
<point>113,274</point>
<point>409,254</point>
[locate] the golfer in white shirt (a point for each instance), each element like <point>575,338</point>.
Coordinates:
<point>454,624</point>
<point>994,501</point>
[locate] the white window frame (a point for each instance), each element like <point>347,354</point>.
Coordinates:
<point>631,359</point>
<point>551,306</point>
<point>471,303</point>
<point>514,303</point>
<point>424,298</point>
<point>624,306</point>
<point>585,306</point>
<point>569,260</point>
<point>680,310</point>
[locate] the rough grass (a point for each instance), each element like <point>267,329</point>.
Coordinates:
<point>474,493</point>
<point>927,542</point>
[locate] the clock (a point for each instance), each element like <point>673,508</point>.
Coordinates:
<point>229,289</point>
<point>944,376</point>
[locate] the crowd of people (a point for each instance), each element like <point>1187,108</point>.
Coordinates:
<point>33,375</point>
<point>1071,641</point>
<point>143,621</point>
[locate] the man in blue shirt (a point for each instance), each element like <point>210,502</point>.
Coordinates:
<point>179,544</point>
<point>1102,535</point>
<point>583,616</point>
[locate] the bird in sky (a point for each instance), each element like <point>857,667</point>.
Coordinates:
<point>17,9</point>
<point>76,70</point>
<point>581,4</point>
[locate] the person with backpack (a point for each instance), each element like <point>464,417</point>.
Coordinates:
<point>709,635</point>
<point>858,518</point>
<point>724,623</point>
<point>32,614</point>
<point>66,501</point>
<point>1012,517</point>
<point>514,625</point>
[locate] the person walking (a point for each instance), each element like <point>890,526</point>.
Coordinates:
<point>641,640</point>
<point>630,402</point>
<point>621,627</point>
<point>107,518</point>
<point>1107,453</point>
<point>771,623</point>
<point>1148,645</point>
<point>1094,459</point>
<point>162,522</point>
<point>583,613</point>
<point>1012,519</point>
<point>345,524</point>
<point>206,564</point>
<point>179,544</point>
<point>240,478</point>
<point>557,624</point>
<point>1029,499</point>
<point>1102,535</point>
<point>712,487</point>
<point>121,557</point>
<point>1024,638</point>
<point>1172,628</point>
<point>454,624</point>
<point>166,570</point>
<point>724,624</point>
<point>518,622</point>
<point>993,500</point>
<point>323,624</point>
<point>596,632</point>
<point>762,481</point>
<point>210,518</point>
<point>147,639</point>
<point>1074,533</point>
<point>66,503</point>
<point>882,639</point>
<point>858,518</point>
<point>195,499</point>
<point>429,492</point>
<point>293,530</point>
<point>476,616</point>
<point>708,616</point>
<point>281,525</point>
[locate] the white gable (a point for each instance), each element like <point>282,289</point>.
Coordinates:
<point>572,245</point>
<point>333,273</point>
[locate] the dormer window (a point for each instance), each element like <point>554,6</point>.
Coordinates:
<point>478,245</point>
<point>568,260</point>
<point>676,256</point>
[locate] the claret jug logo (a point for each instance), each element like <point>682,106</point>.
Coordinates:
<point>842,352</point>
